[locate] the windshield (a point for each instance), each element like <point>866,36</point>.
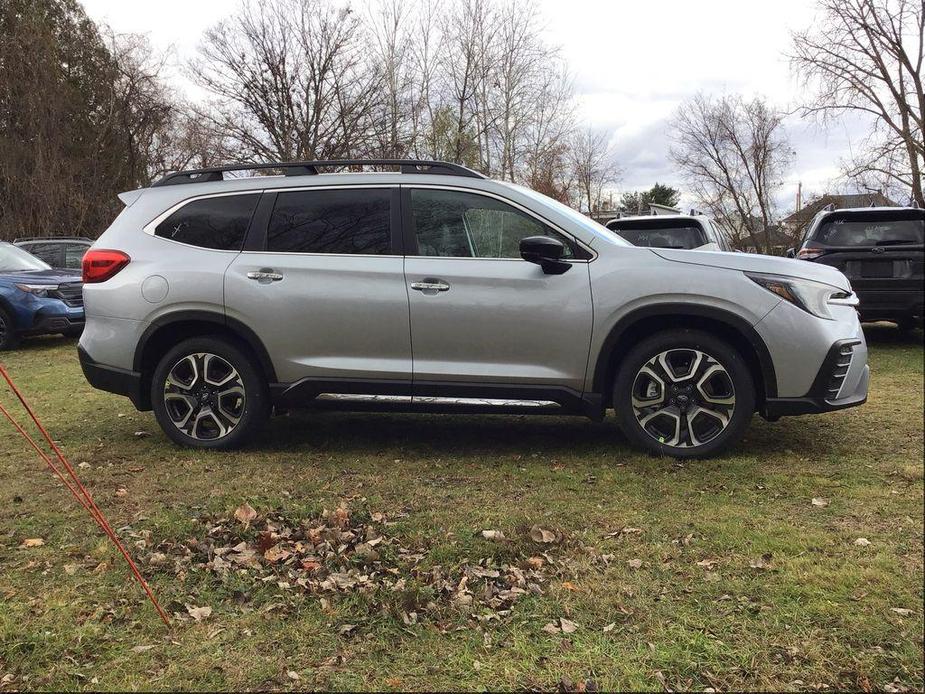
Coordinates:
<point>14,259</point>
<point>847,232</point>
<point>686,237</point>
<point>574,215</point>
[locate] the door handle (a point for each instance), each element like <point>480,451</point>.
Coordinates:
<point>430,285</point>
<point>264,276</point>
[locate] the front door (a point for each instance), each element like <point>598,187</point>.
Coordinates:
<point>325,289</point>
<point>483,320</point>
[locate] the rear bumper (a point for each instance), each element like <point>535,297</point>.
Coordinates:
<point>113,380</point>
<point>902,302</point>
<point>842,382</point>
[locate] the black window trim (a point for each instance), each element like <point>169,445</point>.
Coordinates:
<point>151,227</point>
<point>256,239</point>
<point>411,242</point>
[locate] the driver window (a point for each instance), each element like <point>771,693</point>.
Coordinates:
<point>449,223</point>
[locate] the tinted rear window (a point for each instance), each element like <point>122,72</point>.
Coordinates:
<point>853,233</point>
<point>220,222</point>
<point>351,221</point>
<point>679,237</point>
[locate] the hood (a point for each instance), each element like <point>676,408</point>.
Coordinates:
<point>752,262</point>
<point>40,276</point>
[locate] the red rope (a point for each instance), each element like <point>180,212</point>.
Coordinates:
<point>83,496</point>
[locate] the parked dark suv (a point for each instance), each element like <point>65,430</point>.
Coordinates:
<point>881,251</point>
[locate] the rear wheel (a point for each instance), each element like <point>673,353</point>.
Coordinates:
<point>8,337</point>
<point>685,394</point>
<point>207,393</point>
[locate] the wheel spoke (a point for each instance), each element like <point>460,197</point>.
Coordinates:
<point>671,412</point>
<point>204,396</point>
<point>683,397</point>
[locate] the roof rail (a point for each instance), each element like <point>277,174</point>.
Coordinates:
<point>310,168</point>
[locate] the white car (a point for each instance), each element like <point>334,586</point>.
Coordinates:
<point>681,231</point>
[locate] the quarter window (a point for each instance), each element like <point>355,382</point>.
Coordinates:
<point>455,224</point>
<point>351,221</point>
<point>220,222</point>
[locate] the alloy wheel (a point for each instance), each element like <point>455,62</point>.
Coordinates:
<point>204,396</point>
<point>683,397</point>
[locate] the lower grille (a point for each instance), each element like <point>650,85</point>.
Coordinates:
<point>70,294</point>
<point>842,364</point>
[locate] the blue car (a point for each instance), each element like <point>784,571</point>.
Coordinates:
<point>35,299</point>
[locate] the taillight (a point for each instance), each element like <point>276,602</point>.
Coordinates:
<point>808,253</point>
<point>101,264</point>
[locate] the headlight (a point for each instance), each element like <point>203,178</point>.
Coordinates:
<point>39,290</point>
<point>812,297</point>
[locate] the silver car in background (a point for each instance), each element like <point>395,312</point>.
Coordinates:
<point>214,299</point>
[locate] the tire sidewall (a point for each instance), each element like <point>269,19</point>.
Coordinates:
<point>256,403</point>
<point>11,339</point>
<point>717,348</point>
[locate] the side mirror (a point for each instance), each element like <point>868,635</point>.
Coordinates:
<point>791,252</point>
<point>546,252</point>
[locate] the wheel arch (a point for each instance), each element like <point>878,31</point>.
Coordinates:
<point>165,331</point>
<point>647,320</point>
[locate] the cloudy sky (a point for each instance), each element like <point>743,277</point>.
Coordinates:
<point>634,63</point>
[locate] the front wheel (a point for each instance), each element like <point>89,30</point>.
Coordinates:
<point>8,337</point>
<point>685,394</point>
<point>207,393</point>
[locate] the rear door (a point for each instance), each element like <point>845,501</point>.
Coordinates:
<point>320,281</point>
<point>480,315</point>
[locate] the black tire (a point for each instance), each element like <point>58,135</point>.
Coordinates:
<point>252,409</point>
<point>8,338</point>
<point>737,415</point>
<point>906,325</point>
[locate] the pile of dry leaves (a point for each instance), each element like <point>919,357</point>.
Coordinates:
<point>339,553</point>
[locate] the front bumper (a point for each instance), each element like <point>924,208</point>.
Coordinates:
<point>843,381</point>
<point>113,380</point>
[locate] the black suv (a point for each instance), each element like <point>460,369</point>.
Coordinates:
<point>881,251</point>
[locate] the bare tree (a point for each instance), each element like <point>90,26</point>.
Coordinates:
<point>733,153</point>
<point>593,166</point>
<point>292,80</point>
<point>866,56</point>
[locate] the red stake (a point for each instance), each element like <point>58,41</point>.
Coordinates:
<point>75,486</point>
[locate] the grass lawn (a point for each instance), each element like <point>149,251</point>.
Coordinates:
<point>720,573</point>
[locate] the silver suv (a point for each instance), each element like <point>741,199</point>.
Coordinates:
<point>213,300</point>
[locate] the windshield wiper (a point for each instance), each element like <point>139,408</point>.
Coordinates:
<point>895,242</point>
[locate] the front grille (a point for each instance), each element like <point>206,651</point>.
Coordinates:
<point>842,364</point>
<point>71,294</point>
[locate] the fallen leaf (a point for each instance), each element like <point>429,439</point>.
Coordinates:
<point>542,535</point>
<point>551,628</point>
<point>32,542</point>
<point>707,563</point>
<point>634,563</point>
<point>763,562</point>
<point>245,513</point>
<point>346,629</point>
<point>609,627</point>
<point>198,613</point>
<point>901,611</point>
<point>568,626</point>
<point>820,502</point>
<point>276,553</point>
<point>141,434</point>
<point>495,535</point>
<point>862,542</point>
<point>141,649</point>
<point>568,585</point>
<point>122,491</point>
<point>393,682</point>
<point>293,675</point>
<point>535,562</point>
<point>70,569</point>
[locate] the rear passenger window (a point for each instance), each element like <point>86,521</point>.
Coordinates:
<point>220,222</point>
<point>354,221</point>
